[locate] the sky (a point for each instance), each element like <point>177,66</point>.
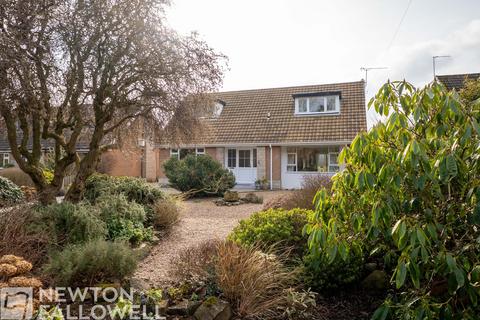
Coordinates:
<point>278,43</point>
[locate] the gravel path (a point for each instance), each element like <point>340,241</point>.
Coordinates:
<point>201,220</point>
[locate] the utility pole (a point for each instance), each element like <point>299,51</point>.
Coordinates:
<point>366,69</point>
<point>434,58</point>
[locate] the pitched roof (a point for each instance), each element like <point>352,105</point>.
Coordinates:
<point>456,81</point>
<point>245,116</point>
<point>46,144</point>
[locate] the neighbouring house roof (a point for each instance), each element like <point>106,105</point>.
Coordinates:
<point>456,81</point>
<point>46,144</point>
<point>268,116</point>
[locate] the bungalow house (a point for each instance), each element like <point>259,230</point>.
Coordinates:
<point>278,135</point>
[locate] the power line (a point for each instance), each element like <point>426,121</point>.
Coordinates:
<point>399,25</point>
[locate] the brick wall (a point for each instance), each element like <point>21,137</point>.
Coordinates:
<point>162,156</point>
<point>121,163</point>
<point>276,168</point>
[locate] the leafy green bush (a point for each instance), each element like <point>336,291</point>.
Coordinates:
<point>70,223</point>
<point>90,263</point>
<point>411,192</point>
<point>123,219</point>
<point>9,192</point>
<point>198,175</point>
<point>324,276</point>
<point>274,227</point>
<point>135,189</point>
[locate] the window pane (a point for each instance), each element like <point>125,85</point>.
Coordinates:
<point>332,103</point>
<point>312,159</point>
<point>200,150</point>
<point>333,168</point>
<point>317,104</point>
<point>302,104</point>
<point>254,160</point>
<point>291,168</point>
<point>186,152</point>
<point>291,159</point>
<point>244,159</point>
<point>333,158</point>
<point>232,158</point>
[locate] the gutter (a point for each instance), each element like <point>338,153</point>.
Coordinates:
<point>271,167</point>
<point>259,144</point>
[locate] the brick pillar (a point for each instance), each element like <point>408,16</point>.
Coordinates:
<point>220,156</point>
<point>261,163</point>
<point>150,161</point>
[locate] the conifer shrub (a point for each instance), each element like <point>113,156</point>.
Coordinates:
<point>134,189</point>
<point>90,263</point>
<point>69,223</point>
<point>198,175</point>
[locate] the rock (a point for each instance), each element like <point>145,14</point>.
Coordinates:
<point>231,196</point>
<point>213,309</point>
<point>138,284</point>
<point>371,266</point>
<point>376,280</point>
<point>179,308</point>
<point>252,198</point>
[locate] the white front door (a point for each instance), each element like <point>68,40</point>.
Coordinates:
<point>243,163</point>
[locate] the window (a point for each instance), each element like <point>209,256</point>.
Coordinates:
<point>174,153</point>
<point>217,109</point>
<point>4,159</point>
<point>182,153</point>
<point>244,159</point>
<point>254,158</point>
<point>317,105</point>
<point>319,159</point>
<point>232,158</point>
<point>291,159</point>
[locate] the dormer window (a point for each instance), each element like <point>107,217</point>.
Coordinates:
<point>218,108</point>
<point>313,104</point>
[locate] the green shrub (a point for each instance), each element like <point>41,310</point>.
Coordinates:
<point>17,176</point>
<point>324,276</point>
<point>135,189</point>
<point>9,192</point>
<point>274,227</point>
<point>198,175</point>
<point>70,223</point>
<point>123,219</point>
<point>411,192</point>
<point>91,263</point>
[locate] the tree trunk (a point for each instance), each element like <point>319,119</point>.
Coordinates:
<point>86,169</point>
<point>48,194</point>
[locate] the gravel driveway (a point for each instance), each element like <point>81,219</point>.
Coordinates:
<point>201,220</point>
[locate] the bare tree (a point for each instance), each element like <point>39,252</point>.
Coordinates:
<point>88,70</point>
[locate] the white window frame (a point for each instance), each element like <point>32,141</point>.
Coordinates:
<point>175,152</point>
<point>292,165</point>
<point>5,159</point>
<point>236,158</point>
<point>325,111</point>
<point>329,164</point>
